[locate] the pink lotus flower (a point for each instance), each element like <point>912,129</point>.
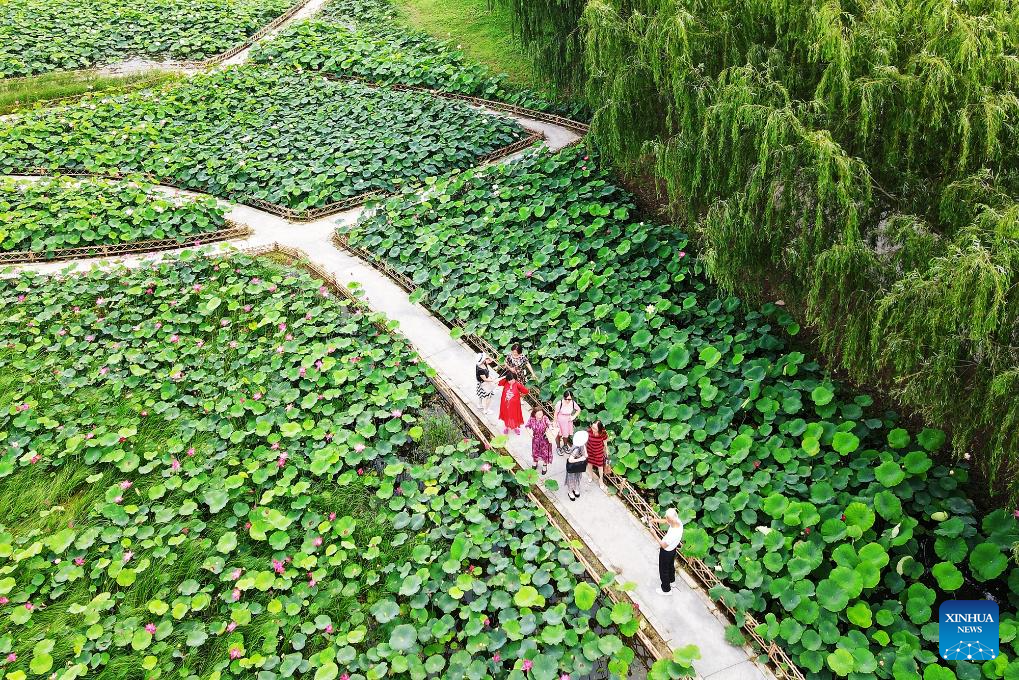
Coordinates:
<point>3,600</point>
<point>317,541</point>
<point>307,316</point>
<point>23,407</point>
<point>90,338</point>
<point>275,446</point>
<point>100,302</point>
<point>344,677</point>
<point>527,665</point>
<point>150,628</point>
<point>145,414</point>
<point>236,594</point>
<point>485,467</point>
<point>359,447</point>
<point>174,338</point>
<point>125,485</point>
<point>282,461</point>
<point>231,627</point>
<point>278,566</point>
<point>682,254</point>
<point>247,308</point>
<point>360,471</point>
<point>12,657</point>
<point>35,458</point>
<point>233,344</point>
<point>224,322</point>
<point>397,413</point>
<point>236,574</point>
<point>529,274</point>
<point>191,451</point>
<point>486,621</point>
<point>282,326</point>
<point>174,464</point>
<point>236,653</point>
<point>496,658</point>
<point>159,324</point>
<point>197,287</point>
<point>79,561</point>
<point>272,287</point>
<point>118,499</point>
<point>332,516</point>
<point>29,606</point>
<point>104,370</point>
<point>319,364</point>
<point>564,676</point>
<point>329,628</point>
<point>302,371</point>
<point>256,396</point>
<point>128,555</point>
<point>21,298</point>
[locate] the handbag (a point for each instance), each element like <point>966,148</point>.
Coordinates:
<point>578,466</point>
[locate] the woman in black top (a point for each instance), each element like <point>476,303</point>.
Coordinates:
<point>487,376</point>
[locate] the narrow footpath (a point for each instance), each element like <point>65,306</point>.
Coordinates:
<point>606,525</point>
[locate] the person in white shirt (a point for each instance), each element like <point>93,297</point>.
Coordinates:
<point>667,547</point>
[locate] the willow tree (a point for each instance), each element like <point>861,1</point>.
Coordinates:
<point>861,156</point>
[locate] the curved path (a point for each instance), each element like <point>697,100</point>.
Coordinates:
<point>608,528</point>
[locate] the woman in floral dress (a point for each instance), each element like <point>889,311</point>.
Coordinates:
<point>541,447</point>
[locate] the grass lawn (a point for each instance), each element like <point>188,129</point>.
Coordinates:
<point>485,33</point>
<point>21,93</point>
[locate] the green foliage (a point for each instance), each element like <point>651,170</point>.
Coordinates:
<point>157,512</point>
<point>365,42</point>
<point>792,491</point>
<point>43,35</point>
<point>49,214</point>
<point>858,157</point>
<point>254,132</point>
<point>45,89</point>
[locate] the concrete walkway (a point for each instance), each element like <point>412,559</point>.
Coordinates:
<point>610,530</point>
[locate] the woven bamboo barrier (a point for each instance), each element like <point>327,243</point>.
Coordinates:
<point>779,660</point>
<point>648,645</point>
<point>115,249</point>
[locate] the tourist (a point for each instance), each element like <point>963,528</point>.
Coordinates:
<point>566,411</point>
<point>510,413</point>
<point>667,547</point>
<point>597,452</point>
<point>517,361</point>
<point>485,372</point>
<point>541,447</point>
<point>576,463</point>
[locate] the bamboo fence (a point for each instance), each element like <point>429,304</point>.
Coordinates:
<point>232,231</point>
<point>647,643</point>
<point>779,660</point>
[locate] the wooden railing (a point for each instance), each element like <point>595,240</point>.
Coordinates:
<point>780,662</point>
<point>232,231</point>
<point>649,647</point>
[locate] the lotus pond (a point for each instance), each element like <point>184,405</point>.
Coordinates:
<point>825,518</point>
<point>37,36</point>
<point>54,213</point>
<point>362,40</point>
<point>292,139</point>
<point>212,468</point>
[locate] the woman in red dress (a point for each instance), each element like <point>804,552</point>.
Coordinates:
<point>510,413</point>
<point>597,453</point>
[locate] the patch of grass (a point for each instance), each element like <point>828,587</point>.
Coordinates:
<point>22,93</point>
<point>484,32</point>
